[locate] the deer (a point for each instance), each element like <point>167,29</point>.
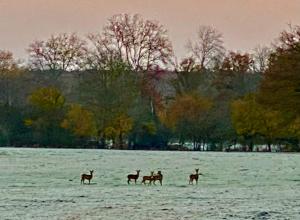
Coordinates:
<point>194,177</point>
<point>148,178</point>
<point>87,177</point>
<point>158,177</point>
<point>133,176</point>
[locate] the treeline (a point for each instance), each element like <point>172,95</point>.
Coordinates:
<point>123,88</point>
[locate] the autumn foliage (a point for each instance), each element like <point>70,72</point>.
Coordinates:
<point>80,122</point>
<point>124,88</point>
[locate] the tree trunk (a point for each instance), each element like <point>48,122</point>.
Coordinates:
<point>121,140</point>
<point>269,147</point>
<point>221,146</point>
<point>251,144</point>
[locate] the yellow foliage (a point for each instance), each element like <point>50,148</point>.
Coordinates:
<point>28,122</point>
<point>110,132</point>
<point>120,126</point>
<point>294,128</point>
<point>123,124</point>
<point>80,121</point>
<point>48,98</point>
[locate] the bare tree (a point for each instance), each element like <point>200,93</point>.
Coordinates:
<point>62,52</point>
<point>188,65</point>
<point>261,58</point>
<point>7,62</point>
<point>9,78</point>
<point>289,38</point>
<point>208,47</point>
<point>142,44</point>
<point>237,62</point>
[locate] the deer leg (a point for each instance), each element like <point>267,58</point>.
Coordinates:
<point>160,182</point>
<point>135,181</point>
<point>128,181</point>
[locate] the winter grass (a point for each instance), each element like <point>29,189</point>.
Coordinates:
<point>45,184</point>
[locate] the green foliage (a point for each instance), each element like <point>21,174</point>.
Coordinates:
<point>12,130</point>
<point>110,93</point>
<point>246,116</point>
<point>280,87</point>
<point>251,119</point>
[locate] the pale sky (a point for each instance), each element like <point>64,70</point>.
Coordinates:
<point>244,23</point>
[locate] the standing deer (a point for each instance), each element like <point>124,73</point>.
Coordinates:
<point>87,177</point>
<point>133,176</point>
<point>158,177</point>
<point>148,178</point>
<point>194,177</point>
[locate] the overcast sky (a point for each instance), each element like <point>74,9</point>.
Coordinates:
<point>244,23</point>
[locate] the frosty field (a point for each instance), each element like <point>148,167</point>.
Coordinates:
<point>45,184</point>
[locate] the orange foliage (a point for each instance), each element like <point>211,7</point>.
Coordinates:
<point>190,108</point>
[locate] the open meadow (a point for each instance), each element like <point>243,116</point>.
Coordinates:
<point>45,184</point>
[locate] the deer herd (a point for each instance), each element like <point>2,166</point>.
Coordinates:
<point>146,179</point>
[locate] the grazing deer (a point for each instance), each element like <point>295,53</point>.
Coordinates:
<point>148,178</point>
<point>194,177</point>
<point>158,177</point>
<point>87,177</point>
<point>133,176</point>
